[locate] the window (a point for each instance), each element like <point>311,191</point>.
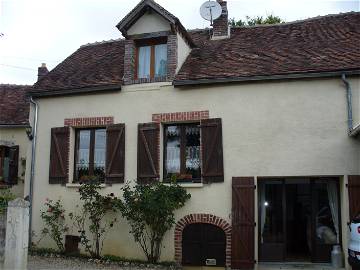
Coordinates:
<point>9,156</point>
<point>151,59</point>
<point>90,154</point>
<point>182,152</point>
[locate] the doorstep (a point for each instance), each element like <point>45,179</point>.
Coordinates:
<point>202,268</point>
<point>296,266</point>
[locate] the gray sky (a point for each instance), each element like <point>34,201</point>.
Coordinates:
<point>36,31</point>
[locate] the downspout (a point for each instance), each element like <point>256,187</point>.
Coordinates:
<point>33,149</point>
<point>349,102</point>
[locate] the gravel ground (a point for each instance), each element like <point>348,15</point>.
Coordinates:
<point>48,263</point>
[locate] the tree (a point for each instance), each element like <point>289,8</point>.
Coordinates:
<point>258,20</point>
<point>149,210</point>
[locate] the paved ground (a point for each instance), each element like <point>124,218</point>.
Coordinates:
<point>47,263</point>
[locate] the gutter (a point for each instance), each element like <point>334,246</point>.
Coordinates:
<point>180,83</point>
<point>32,171</point>
<point>353,131</point>
<point>14,126</point>
<point>73,91</point>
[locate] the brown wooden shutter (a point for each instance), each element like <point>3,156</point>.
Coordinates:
<point>354,195</point>
<point>59,155</point>
<point>115,153</point>
<point>13,164</point>
<point>243,223</point>
<point>148,152</point>
<point>212,150</point>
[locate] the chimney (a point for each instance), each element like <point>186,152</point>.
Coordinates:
<point>221,27</point>
<point>42,71</point>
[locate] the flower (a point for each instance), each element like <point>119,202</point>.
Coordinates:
<point>50,210</point>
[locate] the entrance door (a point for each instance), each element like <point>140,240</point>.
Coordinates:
<point>299,219</point>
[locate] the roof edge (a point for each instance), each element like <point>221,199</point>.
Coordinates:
<point>181,83</point>
<point>14,125</point>
<point>74,91</point>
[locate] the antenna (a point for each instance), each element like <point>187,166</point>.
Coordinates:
<point>210,10</point>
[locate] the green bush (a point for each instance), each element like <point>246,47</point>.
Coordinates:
<point>149,210</point>
<point>5,196</point>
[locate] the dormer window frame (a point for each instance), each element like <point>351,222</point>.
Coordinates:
<point>152,42</point>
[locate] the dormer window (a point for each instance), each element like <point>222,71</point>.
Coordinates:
<point>151,59</point>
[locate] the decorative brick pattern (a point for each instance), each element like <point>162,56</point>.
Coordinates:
<point>129,61</point>
<point>201,218</point>
<point>89,121</point>
<point>171,56</point>
<point>220,25</point>
<point>180,116</point>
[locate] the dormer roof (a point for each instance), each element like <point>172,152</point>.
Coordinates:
<point>149,5</point>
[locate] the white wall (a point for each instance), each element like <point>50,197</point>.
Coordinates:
<point>288,128</point>
<point>149,23</point>
<point>17,136</point>
<point>182,52</point>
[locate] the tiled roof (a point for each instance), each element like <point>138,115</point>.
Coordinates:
<point>321,44</point>
<point>328,43</point>
<point>92,65</point>
<point>14,104</point>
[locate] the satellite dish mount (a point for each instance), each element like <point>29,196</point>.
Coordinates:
<point>210,11</point>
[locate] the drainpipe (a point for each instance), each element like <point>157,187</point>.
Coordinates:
<point>349,102</point>
<point>33,149</point>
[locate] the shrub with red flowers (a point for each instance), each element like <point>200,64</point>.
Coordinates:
<point>54,220</point>
<point>95,218</point>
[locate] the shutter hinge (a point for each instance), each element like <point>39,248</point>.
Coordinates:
<point>254,186</point>
<point>254,224</point>
<point>347,185</point>
<point>255,261</point>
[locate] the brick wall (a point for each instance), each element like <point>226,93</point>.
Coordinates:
<point>220,25</point>
<point>129,62</point>
<point>171,56</point>
<point>89,121</point>
<point>180,116</point>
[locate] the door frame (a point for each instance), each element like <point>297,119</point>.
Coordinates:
<point>312,179</point>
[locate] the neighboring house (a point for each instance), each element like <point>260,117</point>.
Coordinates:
<point>14,120</point>
<point>253,121</point>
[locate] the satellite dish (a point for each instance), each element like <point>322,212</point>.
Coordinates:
<point>210,10</point>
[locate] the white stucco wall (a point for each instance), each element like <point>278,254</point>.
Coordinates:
<point>149,23</point>
<point>287,128</point>
<point>17,136</point>
<point>182,51</point>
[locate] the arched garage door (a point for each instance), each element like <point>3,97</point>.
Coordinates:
<point>203,244</point>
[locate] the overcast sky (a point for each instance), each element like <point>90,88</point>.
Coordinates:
<point>36,31</point>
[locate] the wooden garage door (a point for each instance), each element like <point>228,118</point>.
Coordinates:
<point>203,243</point>
<point>243,223</point>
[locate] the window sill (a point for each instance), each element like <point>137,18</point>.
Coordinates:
<point>188,185</point>
<point>77,185</point>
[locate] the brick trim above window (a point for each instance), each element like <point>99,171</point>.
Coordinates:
<point>201,218</point>
<point>89,121</point>
<point>180,116</point>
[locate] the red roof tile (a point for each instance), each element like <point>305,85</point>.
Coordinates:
<point>14,104</point>
<point>321,44</point>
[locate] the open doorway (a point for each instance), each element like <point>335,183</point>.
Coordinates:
<point>299,219</point>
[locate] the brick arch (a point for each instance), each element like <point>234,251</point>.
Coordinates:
<point>202,218</point>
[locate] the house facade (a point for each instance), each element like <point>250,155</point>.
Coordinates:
<point>14,120</point>
<point>254,122</point>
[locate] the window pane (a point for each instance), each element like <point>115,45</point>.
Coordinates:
<point>327,216</point>
<point>160,60</point>
<point>172,162</point>
<point>83,153</point>
<point>271,215</point>
<point>144,62</point>
<point>100,154</point>
<point>193,151</point>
